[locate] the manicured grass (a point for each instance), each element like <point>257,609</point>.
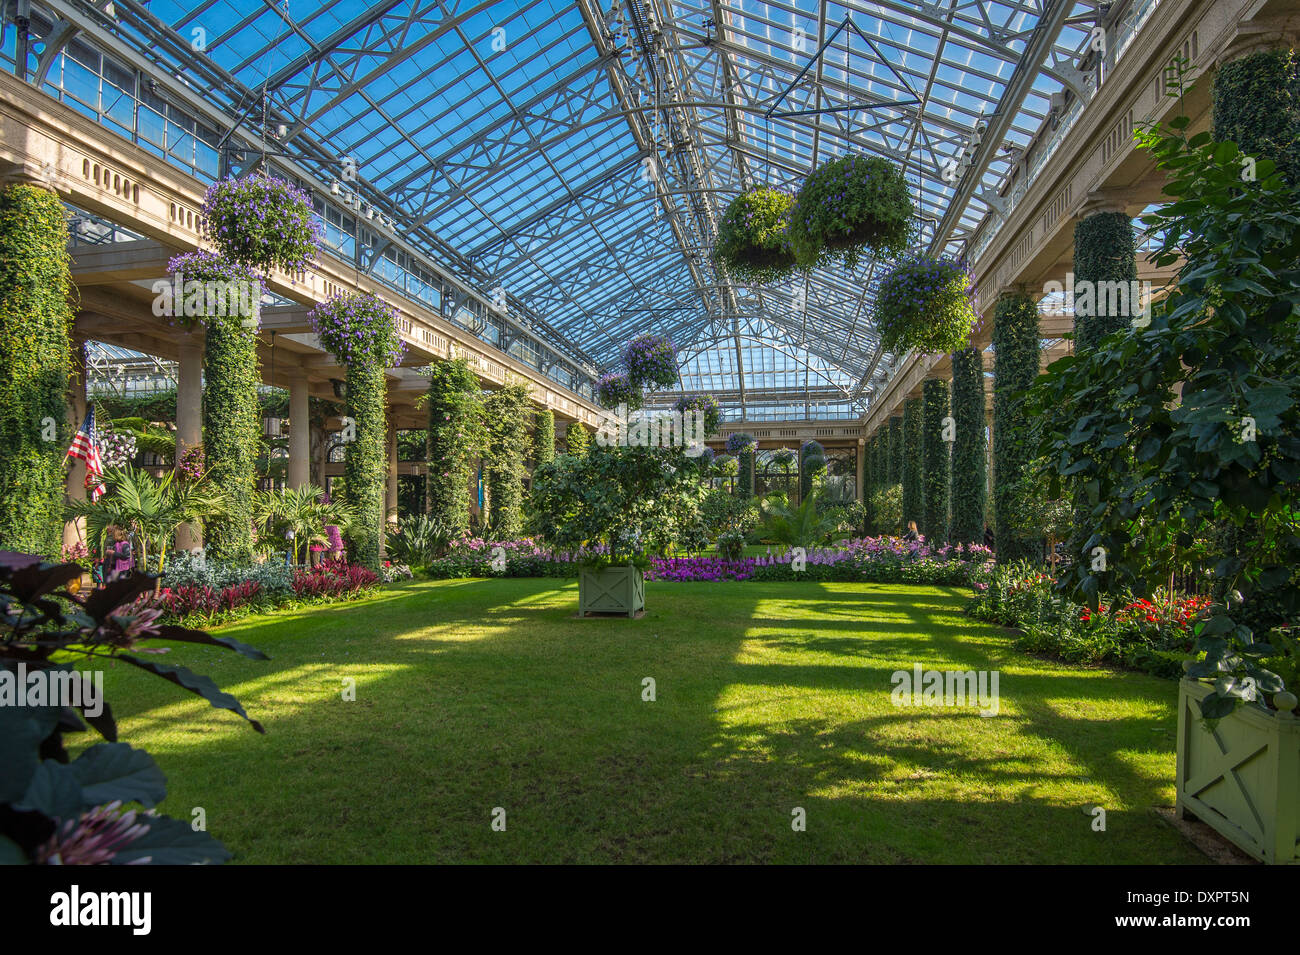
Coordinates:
<point>478,694</point>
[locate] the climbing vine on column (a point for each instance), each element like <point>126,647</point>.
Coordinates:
<point>454,441</point>
<point>509,413</point>
<point>934,460</point>
<point>1257,106</point>
<point>225,298</point>
<point>1015,366</point>
<point>35,367</point>
<point>895,450</point>
<point>1105,251</point>
<point>968,448</point>
<point>544,442</point>
<point>360,330</point>
<point>912,465</point>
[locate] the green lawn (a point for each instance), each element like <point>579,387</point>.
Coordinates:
<point>480,694</point>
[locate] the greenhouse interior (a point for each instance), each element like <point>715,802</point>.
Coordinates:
<point>650,432</point>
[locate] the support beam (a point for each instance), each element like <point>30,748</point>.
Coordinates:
<point>299,431</point>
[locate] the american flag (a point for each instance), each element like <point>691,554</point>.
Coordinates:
<point>85,447</point>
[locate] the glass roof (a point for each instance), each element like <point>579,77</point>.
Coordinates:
<point>580,154</point>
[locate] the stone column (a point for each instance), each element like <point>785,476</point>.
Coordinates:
<point>1105,270</point>
<point>74,531</point>
<point>299,431</point>
<point>390,497</point>
<point>189,419</point>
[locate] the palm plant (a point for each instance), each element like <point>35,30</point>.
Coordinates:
<point>153,507</point>
<point>298,514</point>
<point>802,526</point>
<point>418,540</point>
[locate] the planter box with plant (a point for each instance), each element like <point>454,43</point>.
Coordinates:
<point>1240,774</point>
<point>613,589</point>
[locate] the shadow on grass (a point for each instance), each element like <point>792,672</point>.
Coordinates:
<point>477,695</point>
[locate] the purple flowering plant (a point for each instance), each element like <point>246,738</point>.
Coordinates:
<point>616,388</point>
<point>740,442</point>
<point>850,205</point>
<point>262,222</point>
<point>651,360</point>
<point>926,303</point>
<point>754,235</point>
<point>707,405</point>
<point>359,329</point>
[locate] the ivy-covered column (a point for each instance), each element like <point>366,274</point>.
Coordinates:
<point>895,451</point>
<point>509,415</point>
<point>453,442</point>
<point>1015,366</point>
<point>913,463</point>
<point>225,298</point>
<point>544,442</point>
<point>1256,102</point>
<point>968,448</point>
<point>360,330</point>
<point>35,365</point>
<point>258,223</point>
<point>577,439</point>
<point>934,461</point>
<point>812,467</point>
<point>1105,270</point>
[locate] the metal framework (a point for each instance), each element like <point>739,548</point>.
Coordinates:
<point>578,154</point>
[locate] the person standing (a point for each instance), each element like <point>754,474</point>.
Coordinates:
<point>120,558</point>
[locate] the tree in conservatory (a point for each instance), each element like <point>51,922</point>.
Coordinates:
<point>508,412</point>
<point>934,460</point>
<point>454,441</point>
<point>968,491</point>
<point>360,330</point>
<point>35,367</point>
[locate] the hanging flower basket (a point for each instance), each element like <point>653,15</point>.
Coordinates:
<point>262,222</point>
<point>848,206</point>
<point>740,442</point>
<point>754,235</point>
<point>651,360</point>
<point>927,304</point>
<point>359,329</point>
<point>706,405</point>
<point>614,389</point>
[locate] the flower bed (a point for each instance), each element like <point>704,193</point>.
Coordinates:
<point>1139,633</point>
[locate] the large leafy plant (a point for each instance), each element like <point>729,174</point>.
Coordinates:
<point>57,810</point>
<point>754,235</point>
<point>616,504</point>
<point>850,205</point>
<point>806,525</point>
<point>1206,427</point>
<point>926,303</point>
